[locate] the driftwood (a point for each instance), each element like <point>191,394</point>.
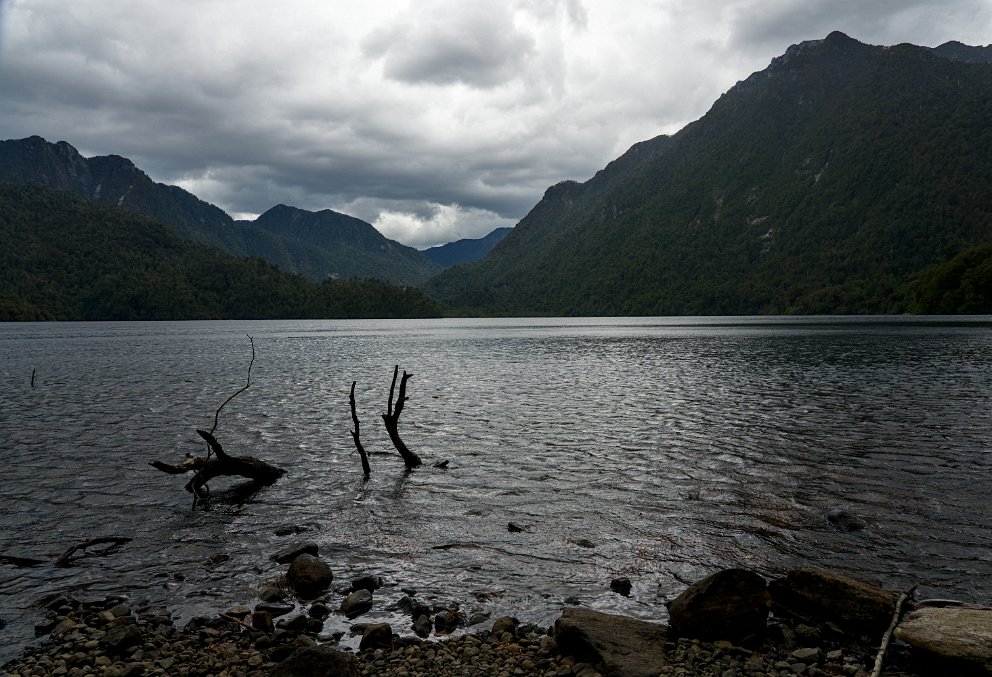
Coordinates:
<point>20,561</point>
<point>65,559</point>
<point>392,418</point>
<point>887,637</point>
<point>207,468</point>
<point>354,433</point>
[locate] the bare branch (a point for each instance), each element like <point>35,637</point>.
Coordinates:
<point>354,433</point>
<point>247,385</point>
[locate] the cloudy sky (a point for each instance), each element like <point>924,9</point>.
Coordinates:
<point>432,119</point>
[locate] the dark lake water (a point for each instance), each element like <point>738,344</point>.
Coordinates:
<point>675,446</point>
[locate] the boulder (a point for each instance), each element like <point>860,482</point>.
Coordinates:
<point>357,603</point>
<point>957,639</point>
<point>287,555</point>
<point>624,646</point>
<point>823,597</point>
<point>376,636</point>
<point>309,576</point>
<point>505,624</point>
<point>316,662</point>
<point>731,604</point>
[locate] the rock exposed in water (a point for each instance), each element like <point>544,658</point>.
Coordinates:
<point>309,576</point>
<point>820,596</point>
<point>731,604</point>
<point>370,583</point>
<point>846,521</point>
<point>357,603</point>
<point>955,638</point>
<point>287,555</point>
<point>621,586</point>
<point>625,646</point>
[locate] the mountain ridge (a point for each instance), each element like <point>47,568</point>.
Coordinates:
<point>826,182</point>
<point>116,181</point>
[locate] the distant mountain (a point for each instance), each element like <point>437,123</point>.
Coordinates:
<point>66,258</point>
<point>830,182</point>
<point>329,243</point>
<point>465,251</point>
<point>116,181</point>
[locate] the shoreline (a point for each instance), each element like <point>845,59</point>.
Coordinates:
<point>109,638</point>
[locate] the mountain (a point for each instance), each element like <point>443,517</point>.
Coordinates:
<point>66,258</point>
<point>329,243</point>
<point>116,181</point>
<point>830,182</point>
<point>465,251</point>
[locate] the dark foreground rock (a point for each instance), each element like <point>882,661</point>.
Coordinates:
<point>623,646</point>
<point>731,604</point>
<point>824,597</point>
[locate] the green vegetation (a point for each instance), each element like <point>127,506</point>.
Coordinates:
<point>64,258</point>
<point>316,245</point>
<point>827,183</point>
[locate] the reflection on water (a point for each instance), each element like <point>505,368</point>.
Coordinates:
<point>676,446</point>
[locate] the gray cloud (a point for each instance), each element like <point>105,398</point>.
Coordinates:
<point>433,120</point>
<point>472,43</point>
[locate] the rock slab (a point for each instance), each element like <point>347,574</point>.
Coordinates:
<point>731,604</point>
<point>823,597</point>
<point>626,647</point>
<point>953,637</point>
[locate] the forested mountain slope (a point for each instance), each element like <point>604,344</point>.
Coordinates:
<point>827,183</point>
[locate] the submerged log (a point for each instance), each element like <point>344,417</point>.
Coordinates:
<point>114,542</point>
<point>392,419</point>
<point>206,468</point>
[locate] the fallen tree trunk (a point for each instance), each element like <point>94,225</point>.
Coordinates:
<point>206,468</point>
<point>392,419</point>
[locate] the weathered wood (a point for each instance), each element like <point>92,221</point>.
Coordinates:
<point>887,637</point>
<point>115,542</point>
<point>391,420</point>
<point>355,435</point>
<point>207,468</point>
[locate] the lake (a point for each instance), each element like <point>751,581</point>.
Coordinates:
<point>657,449</point>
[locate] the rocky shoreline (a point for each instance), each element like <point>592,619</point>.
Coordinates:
<point>731,624</point>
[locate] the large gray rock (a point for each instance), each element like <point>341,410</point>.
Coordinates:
<point>823,597</point>
<point>731,604</point>
<point>309,576</point>
<point>626,647</point>
<point>317,662</point>
<point>957,639</point>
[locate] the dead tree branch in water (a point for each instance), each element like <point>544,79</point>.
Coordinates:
<point>354,433</point>
<point>247,385</point>
<point>392,418</point>
<point>115,543</point>
<point>206,468</point>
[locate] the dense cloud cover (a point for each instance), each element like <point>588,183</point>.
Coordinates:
<point>434,120</point>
